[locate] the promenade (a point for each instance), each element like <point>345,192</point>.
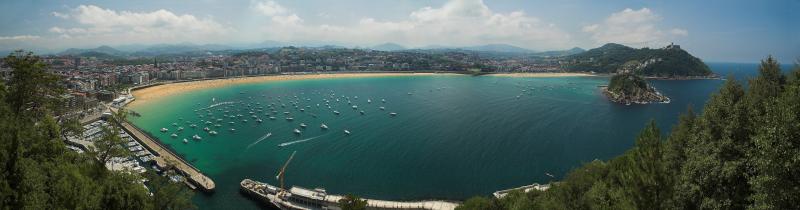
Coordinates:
<point>165,158</point>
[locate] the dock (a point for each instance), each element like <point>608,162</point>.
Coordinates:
<point>165,158</point>
<point>301,198</point>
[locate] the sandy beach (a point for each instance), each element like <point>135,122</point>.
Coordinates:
<point>155,92</point>
<point>542,75</point>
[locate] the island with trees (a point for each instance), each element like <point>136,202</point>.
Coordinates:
<point>630,88</point>
<point>669,62</point>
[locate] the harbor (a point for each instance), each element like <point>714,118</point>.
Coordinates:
<point>164,158</point>
<point>299,198</point>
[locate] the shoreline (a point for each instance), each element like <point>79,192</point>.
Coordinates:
<point>154,92</point>
<point>543,74</point>
<point>150,92</point>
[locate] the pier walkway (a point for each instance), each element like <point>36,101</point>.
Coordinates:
<point>305,199</point>
<point>165,157</point>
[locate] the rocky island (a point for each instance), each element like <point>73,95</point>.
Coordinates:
<point>628,88</point>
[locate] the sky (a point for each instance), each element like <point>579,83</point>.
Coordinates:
<point>714,30</point>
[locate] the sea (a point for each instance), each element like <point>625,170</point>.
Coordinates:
<point>453,136</point>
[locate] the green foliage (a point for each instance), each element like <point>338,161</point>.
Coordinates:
<point>352,202</point>
<point>629,84</point>
<point>674,62</point>
<point>742,152</point>
<point>38,172</point>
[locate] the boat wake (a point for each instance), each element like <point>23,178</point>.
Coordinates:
<point>259,140</point>
<point>299,141</point>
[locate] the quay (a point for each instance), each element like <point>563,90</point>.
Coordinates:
<point>298,198</point>
<point>165,158</point>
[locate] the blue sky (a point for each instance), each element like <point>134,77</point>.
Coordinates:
<point>715,30</point>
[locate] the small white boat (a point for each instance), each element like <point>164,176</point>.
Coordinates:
<point>233,129</point>
<point>323,126</point>
<point>289,119</point>
<point>302,125</point>
<point>383,100</point>
<point>355,107</point>
<point>212,132</point>
<point>302,110</point>
<point>174,124</point>
<point>392,114</point>
<point>164,130</point>
<point>362,112</point>
<point>346,132</point>
<point>272,118</point>
<point>369,101</point>
<point>185,141</point>
<point>206,129</point>
<point>382,108</point>
<point>336,112</point>
<point>296,131</point>
<point>180,128</point>
<point>193,125</point>
<point>196,137</point>
<point>174,135</point>
<point>259,120</point>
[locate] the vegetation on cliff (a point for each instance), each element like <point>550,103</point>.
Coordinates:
<point>670,61</point>
<point>630,88</point>
<point>39,172</point>
<point>741,152</point>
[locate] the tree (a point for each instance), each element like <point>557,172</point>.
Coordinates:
<point>479,203</point>
<point>38,172</point>
<point>351,202</point>
<point>168,194</point>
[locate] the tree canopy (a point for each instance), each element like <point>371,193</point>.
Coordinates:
<point>39,172</point>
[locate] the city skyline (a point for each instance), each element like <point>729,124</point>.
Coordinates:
<point>715,31</point>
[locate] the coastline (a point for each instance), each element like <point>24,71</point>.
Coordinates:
<point>155,92</point>
<point>145,94</point>
<point>542,75</point>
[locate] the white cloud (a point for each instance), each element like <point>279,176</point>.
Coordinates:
<point>456,23</point>
<point>679,32</point>
<point>632,27</point>
<point>60,15</point>
<point>18,38</point>
<point>269,8</point>
<point>100,25</point>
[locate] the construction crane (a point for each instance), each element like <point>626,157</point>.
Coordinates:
<point>283,170</point>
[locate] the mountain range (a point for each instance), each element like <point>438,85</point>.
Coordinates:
<point>166,49</point>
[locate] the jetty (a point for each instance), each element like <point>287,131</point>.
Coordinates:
<point>165,158</point>
<point>298,198</point>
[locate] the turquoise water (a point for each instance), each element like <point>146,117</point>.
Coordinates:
<point>453,136</point>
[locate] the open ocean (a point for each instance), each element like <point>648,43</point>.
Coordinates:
<point>453,137</point>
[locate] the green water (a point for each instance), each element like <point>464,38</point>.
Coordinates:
<point>453,137</point>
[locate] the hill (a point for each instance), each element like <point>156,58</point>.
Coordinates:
<point>670,61</point>
<point>630,88</point>
<point>99,50</point>
<point>499,48</point>
<point>388,47</point>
